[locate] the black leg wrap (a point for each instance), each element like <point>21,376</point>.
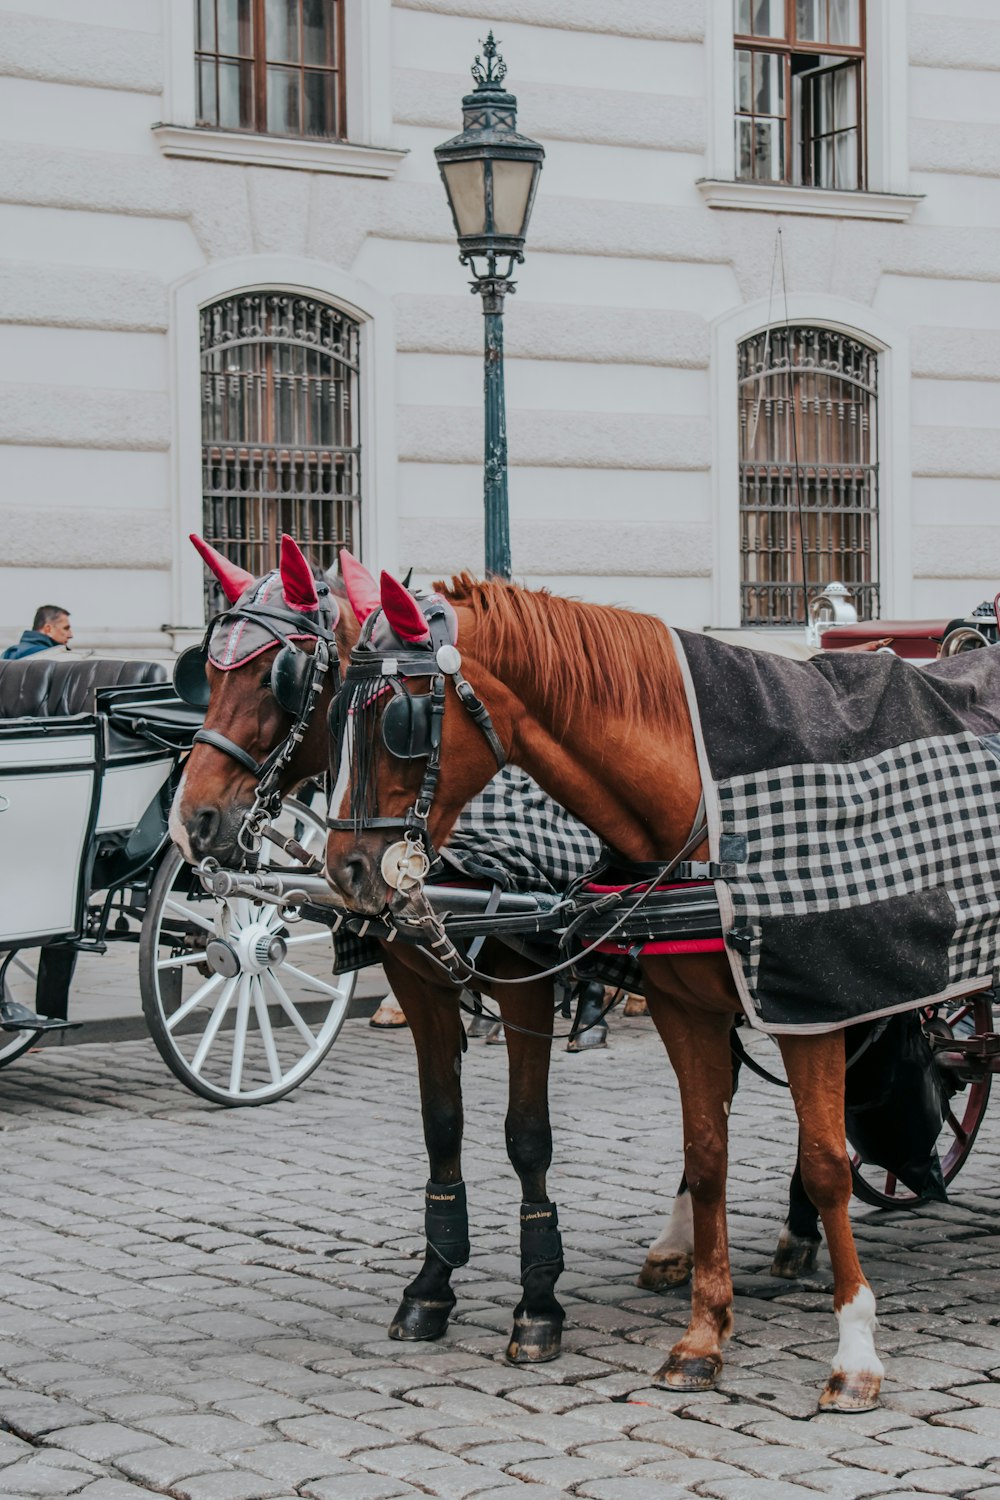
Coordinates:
<point>428,1301</point>
<point>446,1222</point>
<point>538,1318</point>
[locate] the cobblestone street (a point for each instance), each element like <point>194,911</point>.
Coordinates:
<point>193,1302</point>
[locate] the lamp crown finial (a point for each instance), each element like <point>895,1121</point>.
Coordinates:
<point>494,71</point>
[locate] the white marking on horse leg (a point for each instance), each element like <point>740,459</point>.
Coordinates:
<point>677,1235</point>
<point>671,1255</point>
<point>177,830</point>
<point>857,1370</point>
<point>856,1350</point>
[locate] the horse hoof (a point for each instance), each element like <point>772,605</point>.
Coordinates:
<point>388,1017</point>
<point>496,1036</point>
<point>635,1005</point>
<point>670,1270</point>
<point>534,1341</point>
<point>595,1036</point>
<point>794,1256</point>
<point>688,1373</point>
<point>417,1320</point>
<point>854,1391</point>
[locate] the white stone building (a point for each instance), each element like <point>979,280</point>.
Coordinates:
<point>652,463</point>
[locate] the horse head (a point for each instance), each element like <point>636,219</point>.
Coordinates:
<point>256,674</point>
<point>409,758</point>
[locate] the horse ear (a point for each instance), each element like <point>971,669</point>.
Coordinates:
<point>296,577</point>
<point>362,590</point>
<point>234,580</point>
<point>403,612</point>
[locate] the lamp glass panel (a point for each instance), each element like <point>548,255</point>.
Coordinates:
<point>466,191</point>
<point>511,191</point>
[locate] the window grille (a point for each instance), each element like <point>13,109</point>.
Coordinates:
<point>274,66</point>
<point>808,401</point>
<point>280,450</point>
<point>799,86</point>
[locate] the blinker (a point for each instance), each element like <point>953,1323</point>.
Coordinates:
<point>191,678</point>
<point>406,726</point>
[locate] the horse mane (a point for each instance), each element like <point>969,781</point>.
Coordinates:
<point>579,655</point>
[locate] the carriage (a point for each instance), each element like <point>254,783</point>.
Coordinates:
<point>90,757</point>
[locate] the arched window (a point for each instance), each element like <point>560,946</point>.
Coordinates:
<point>279,428</point>
<point>808,400</point>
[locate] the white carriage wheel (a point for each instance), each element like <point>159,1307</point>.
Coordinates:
<point>246,1024</point>
<point>20,979</point>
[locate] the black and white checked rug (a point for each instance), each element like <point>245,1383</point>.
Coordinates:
<point>855,802</point>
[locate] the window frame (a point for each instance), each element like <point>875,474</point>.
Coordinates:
<point>260,65</point>
<point>790,482</point>
<point>369,150</point>
<point>888,196</point>
<point>787,47</point>
<point>891,342</point>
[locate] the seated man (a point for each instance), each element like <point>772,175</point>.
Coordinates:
<point>49,628</point>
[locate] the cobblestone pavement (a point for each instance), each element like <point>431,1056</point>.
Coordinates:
<point>193,1301</point>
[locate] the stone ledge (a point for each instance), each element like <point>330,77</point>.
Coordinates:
<point>249,149</point>
<point>783,198</point>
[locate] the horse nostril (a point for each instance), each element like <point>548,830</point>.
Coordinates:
<point>203,828</point>
<point>351,874</point>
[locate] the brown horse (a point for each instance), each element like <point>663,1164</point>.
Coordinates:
<point>589,700</point>
<point>217,792</point>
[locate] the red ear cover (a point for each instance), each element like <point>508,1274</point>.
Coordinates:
<point>296,578</point>
<point>403,612</point>
<point>234,580</point>
<point>362,590</point>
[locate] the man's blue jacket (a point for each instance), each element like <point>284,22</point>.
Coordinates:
<point>30,642</point>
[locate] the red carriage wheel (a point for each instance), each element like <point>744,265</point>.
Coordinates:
<point>964,1110</point>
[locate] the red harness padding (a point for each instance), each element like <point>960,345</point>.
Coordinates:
<point>668,946</point>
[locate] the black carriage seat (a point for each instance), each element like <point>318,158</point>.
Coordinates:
<point>61,685</point>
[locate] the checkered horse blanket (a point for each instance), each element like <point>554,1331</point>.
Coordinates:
<point>854,806</point>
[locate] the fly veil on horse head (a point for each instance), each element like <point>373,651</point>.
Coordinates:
<point>591,702</point>
<point>280,631</point>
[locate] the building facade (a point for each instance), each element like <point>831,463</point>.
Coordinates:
<point>756,336</point>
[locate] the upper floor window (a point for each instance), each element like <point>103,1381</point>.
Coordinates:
<point>808,403</point>
<point>800,92</point>
<point>272,66</point>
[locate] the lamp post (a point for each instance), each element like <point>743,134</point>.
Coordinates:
<point>490,174</point>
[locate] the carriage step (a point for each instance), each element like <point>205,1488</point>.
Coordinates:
<point>17,1017</point>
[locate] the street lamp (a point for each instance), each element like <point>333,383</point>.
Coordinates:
<point>490,174</point>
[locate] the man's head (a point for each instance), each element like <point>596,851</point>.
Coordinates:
<point>52,620</point>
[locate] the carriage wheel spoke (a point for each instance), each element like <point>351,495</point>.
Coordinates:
<point>961,1133</point>
<point>267,1035</point>
<point>285,1002</point>
<point>211,1030</point>
<point>193,1001</point>
<point>240,1034</point>
<point>189,915</point>
<point>178,960</point>
<point>890,1184</point>
<point>311,980</point>
<point>321,935</point>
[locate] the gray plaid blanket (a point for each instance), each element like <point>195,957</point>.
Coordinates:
<point>511,834</point>
<point>854,801</point>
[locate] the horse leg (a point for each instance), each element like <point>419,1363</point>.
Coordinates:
<point>815,1069</point>
<point>799,1241</point>
<point>431,1008</point>
<point>538,1317</point>
<point>670,1258</point>
<point>697,1042</point>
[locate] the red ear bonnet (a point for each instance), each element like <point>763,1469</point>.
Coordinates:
<point>403,612</point>
<point>362,590</point>
<point>296,578</point>
<point>234,580</point>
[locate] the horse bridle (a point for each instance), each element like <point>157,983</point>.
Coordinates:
<point>297,678</point>
<point>411,730</point>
